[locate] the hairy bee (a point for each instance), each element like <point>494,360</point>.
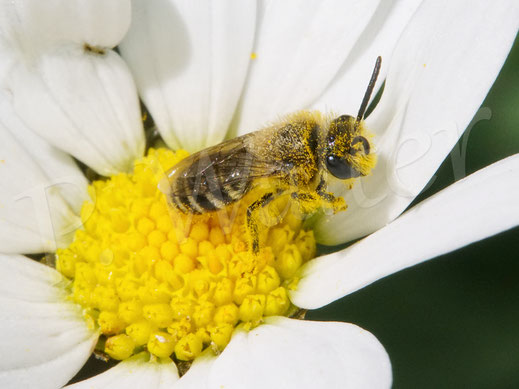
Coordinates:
<point>296,155</point>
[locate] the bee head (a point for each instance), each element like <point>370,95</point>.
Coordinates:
<point>347,151</point>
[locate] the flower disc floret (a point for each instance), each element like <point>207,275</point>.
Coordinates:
<point>173,284</point>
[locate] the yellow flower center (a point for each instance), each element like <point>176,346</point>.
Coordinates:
<point>154,279</point>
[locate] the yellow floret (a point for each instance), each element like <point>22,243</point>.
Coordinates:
<point>140,332</point>
<point>105,297</point>
<point>221,335</point>
<point>164,223</point>
<point>135,241</point>
<point>179,329</point>
<point>145,225</point>
<point>277,302</point>
<point>252,308</point>
<point>268,280</point>
<point>216,236</point>
<point>203,313</point>
<point>156,238</point>
<point>159,314</point>
<point>205,247</point>
<point>110,323</point>
<point>244,287</point>
<point>120,346</point>
<point>153,279</point>
<point>130,311</point>
<point>184,263</point>
<point>289,261</point>
<point>67,263</point>
<point>169,250</point>
<point>161,344</point>
<point>181,308</point>
<point>227,314</point>
<point>189,247</point>
<point>223,292</point>
<point>200,232</point>
<point>214,264</point>
<point>139,208</point>
<point>188,348</point>
<point>157,210</point>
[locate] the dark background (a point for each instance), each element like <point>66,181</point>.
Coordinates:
<point>453,322</point>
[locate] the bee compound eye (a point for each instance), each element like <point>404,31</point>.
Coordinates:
<point>340,168</point>
<point>365,144</point>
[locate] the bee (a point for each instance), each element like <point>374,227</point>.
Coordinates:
<point>297,155</point>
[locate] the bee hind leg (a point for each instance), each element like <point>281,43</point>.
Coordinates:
<point>252,222</point>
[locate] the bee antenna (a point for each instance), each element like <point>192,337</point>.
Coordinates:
<point>369,91</point>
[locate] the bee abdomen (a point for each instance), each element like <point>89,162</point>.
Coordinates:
<point>211,179</point>
<point>185,204</point>
<point>209,196</point>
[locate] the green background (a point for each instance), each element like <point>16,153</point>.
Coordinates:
<point>453,322</point>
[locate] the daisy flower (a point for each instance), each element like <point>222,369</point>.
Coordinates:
<point>168,301</point>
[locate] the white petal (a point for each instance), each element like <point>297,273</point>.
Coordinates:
<point>58,166</point>
<point>83,103</point>
<point>300,47</point>
<point>440,72</point>
<point>479,206</point>
<point>80,101</point>
<point>287,353</point>
<point>38,25</point>
<point>346,90</point>
<point>133,373</point>
<point>190,59</point>
<point>197,377</point>
<point>43,338</point>
<point>34,217</point>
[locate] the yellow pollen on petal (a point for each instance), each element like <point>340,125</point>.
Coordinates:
<point>153,279</point>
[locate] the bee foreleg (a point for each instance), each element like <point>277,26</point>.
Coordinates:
<point>337,204</point>
<point>311,201</point>
<point>322,184</point>
<point>252,223</point>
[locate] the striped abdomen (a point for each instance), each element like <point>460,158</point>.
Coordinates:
<point>211,179</point>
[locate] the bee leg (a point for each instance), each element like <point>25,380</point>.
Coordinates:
<point>310,202</point>
<point>321,185</point>
<point>252,224</point>
<point>335,203</point>
<point>303,197</point>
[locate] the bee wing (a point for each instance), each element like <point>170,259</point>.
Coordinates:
<point>221,174</point>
